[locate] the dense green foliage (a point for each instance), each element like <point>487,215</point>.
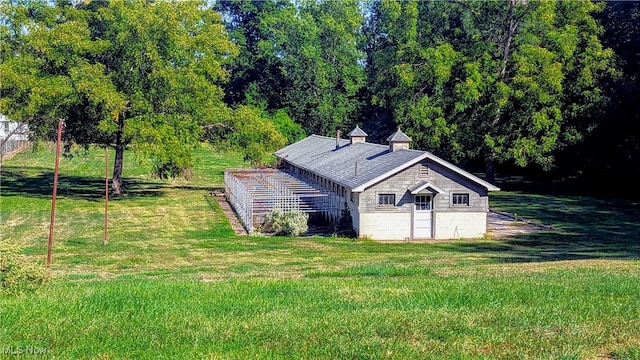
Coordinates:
<point>612,152</point>
<point>134,74</point>
<point>495,80</point>
<point>513,82</point>
<point>48,71</point>
<point>176,282</point>
<point>255,134</point>
<point>167,60</point>
<point>502,82</point>
<point>302,57</point>
<point>120,73</point>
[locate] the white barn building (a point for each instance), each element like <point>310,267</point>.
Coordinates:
<point>392,192</point>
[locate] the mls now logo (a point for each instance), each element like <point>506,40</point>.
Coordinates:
<point>23,350</point>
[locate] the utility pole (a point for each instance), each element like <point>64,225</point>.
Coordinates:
<point>55,191</point>
<point>106,195</point>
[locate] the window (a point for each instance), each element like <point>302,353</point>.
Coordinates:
<point>460,199</point>
<point>386,199</point>
<point>423,202</point>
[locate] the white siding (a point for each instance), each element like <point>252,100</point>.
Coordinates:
<point>455,225</point>
<point>385,225</point>
<point>353,210</point>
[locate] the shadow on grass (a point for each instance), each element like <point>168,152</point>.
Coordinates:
<point>38,182</point>
<point>552,246</point>
<point>586,228</point>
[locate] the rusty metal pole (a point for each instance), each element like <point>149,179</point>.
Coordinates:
<point>55,191</point>
<point>106,196</point>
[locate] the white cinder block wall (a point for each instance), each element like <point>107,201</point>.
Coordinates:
<point>456,225</point>
<point>385,225</point>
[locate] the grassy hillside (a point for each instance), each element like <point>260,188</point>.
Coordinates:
<point>175,282</point>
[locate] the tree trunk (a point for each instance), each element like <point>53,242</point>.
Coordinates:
<point>116,182</point>
<point>490,171</point>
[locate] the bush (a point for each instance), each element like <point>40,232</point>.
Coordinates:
<point>295,223</point>
<point>16,273</point>
<point>291,223</point>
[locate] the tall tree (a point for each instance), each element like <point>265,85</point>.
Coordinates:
<point>48,70</point>
<point>408,73</point>
<point>612,151</point>
<point>498,80</point>
<point>257,78</point>
<point>302,57</point>
<point>125,73</point>
<point>168,58</point>
<point>324,64</point>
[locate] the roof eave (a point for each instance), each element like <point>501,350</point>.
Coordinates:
<point>435,159</point>
<point>427,185</point>
<point>389,173</point>
<point>468,175</point>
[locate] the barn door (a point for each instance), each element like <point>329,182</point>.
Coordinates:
<point>422,217</point>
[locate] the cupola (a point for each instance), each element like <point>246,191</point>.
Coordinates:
<point>357,135</point>
<point>398,140</point>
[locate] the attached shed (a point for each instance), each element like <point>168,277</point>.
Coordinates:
<point>392,192</point>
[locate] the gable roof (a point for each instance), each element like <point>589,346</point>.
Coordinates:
<point>398,136</point>
<point>424,186</point>
<point>357,132</point>
<point>360,165</point>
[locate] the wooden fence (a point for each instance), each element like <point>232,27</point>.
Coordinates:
<point>10,146</point>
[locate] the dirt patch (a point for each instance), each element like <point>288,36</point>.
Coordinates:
<point>501,225</point>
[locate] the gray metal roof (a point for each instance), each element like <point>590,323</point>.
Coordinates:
<point>357,132</point>
<point>399,136</point>
<point>360,165</point>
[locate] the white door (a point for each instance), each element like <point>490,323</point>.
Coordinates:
<point>422,217</point>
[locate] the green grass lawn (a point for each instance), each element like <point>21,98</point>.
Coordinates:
<point>176,282</point>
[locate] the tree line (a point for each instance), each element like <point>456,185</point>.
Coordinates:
<point>548,86</point>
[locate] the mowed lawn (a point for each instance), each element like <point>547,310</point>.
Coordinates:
<point>175,282</point>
